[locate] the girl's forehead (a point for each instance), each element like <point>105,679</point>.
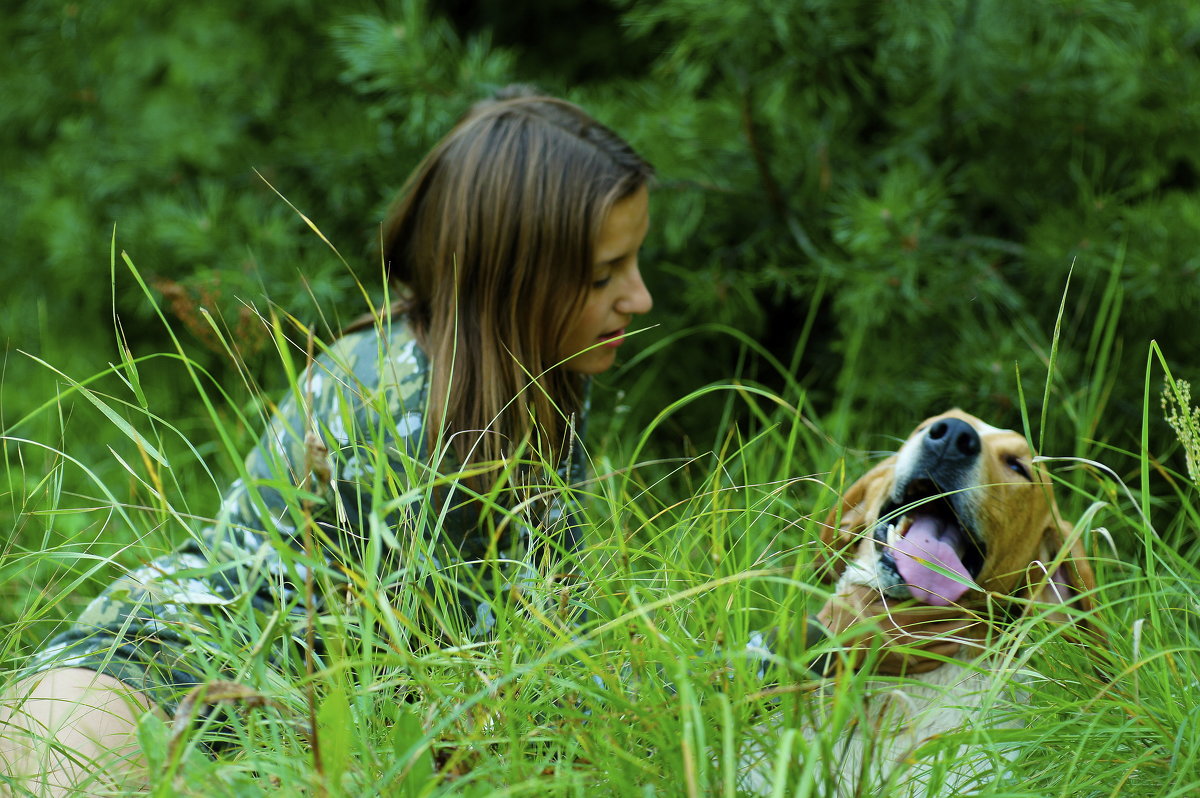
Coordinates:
<point>624,227</point>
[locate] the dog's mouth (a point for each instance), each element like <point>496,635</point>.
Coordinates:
<point>933,548</point>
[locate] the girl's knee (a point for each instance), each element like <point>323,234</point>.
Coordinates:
<point>68,727</point>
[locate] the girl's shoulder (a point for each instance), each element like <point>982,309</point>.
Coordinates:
<point>382,355</point>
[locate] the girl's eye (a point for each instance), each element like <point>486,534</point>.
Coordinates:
<point>601,283</point>
<point>1015,464</point>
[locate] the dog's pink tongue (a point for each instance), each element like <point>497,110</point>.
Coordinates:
<point>930,540</point>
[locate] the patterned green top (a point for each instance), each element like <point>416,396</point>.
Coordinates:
<point>353,432</point>
<point>348,450</point>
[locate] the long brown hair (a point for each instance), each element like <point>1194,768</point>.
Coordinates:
<point>492,244</point>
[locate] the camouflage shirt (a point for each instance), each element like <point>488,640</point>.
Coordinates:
<point>351,434</point>
<point>354,430</point>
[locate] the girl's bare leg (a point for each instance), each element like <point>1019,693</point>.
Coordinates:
<point>70,731</point>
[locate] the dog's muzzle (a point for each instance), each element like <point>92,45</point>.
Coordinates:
<point>934,543</point>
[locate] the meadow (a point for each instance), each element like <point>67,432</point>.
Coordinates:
<point>638,677</point>
<point>864,213</point>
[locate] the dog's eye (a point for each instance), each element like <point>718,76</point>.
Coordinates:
<point>1014,463</point>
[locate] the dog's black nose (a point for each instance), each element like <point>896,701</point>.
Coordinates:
<point>951,442</point>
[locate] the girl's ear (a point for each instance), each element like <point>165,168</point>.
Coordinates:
<point>1063,575</point>
<point>846,522</point>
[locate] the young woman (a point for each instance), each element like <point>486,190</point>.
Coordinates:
<point>514,249</point>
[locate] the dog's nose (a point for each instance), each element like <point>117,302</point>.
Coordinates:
<point>951,442</point>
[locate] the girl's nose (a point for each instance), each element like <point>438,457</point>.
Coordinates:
<point>636,297</point>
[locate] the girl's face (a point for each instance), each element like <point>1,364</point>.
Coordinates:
<point>618,293</point>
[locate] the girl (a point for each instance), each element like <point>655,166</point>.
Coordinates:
<point>514,246</point>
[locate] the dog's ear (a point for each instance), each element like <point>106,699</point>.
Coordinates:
<point>1062,576</point>
<point>857,510</point>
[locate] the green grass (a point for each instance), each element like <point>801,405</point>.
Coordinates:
<point>690,550</point>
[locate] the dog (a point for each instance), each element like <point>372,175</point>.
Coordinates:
<point>961,520</point>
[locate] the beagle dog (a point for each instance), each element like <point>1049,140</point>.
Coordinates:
<point>960,522</point>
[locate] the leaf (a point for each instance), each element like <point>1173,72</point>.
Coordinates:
<point>152,737</point>
<point>335,732</point>
<point>411,747</point>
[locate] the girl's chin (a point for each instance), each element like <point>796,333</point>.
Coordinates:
<point>593,361</point>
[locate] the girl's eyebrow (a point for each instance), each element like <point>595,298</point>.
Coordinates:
<point>614,260</point>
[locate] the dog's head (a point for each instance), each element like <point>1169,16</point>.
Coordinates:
<point>961,510</point>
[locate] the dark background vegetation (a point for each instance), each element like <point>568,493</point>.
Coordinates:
<point>869,211</point>
<point>894,199</point>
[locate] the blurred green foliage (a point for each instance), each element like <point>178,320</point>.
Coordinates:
<point>875,209</point>
<point>890,197</point>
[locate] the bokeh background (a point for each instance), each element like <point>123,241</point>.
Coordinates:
<point>876,209</point>
<point>866,211</point>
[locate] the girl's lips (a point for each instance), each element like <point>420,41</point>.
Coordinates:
<point>613,338</point>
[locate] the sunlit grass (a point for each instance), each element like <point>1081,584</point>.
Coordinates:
<point>634,679</point>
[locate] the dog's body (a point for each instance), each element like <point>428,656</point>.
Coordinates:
<point>920,738</point>
<point>959,517</point>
